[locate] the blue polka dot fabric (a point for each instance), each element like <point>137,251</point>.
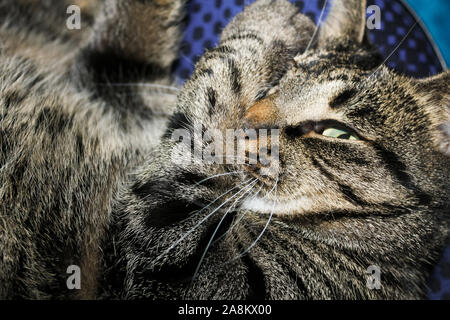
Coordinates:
<point>402,39</point>
<point>415,56</point>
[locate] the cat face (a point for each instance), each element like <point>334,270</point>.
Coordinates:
<point>353,136</point>
<point>354,169</point>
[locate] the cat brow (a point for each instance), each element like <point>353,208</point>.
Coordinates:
<point>343,97</point>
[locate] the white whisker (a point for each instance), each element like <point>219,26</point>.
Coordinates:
<point>188,60</point>
<point>264,229</point>
<point>219,175</point>
<point>239,219</point>
<point>203,220</point>
<point>395,49</point>
<point>249,186</point>
<point>141,84</point>
<point>317,27</point>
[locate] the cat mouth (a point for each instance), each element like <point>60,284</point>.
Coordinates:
<point>281,207</point>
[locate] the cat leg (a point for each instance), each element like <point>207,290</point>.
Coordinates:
<point>133,42</point>
<point>126,66</point>
<point>145,32</point>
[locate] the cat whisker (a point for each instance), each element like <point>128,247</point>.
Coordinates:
<point>203,220</point>
<point>239,219</point>
<point>264,229</point>
<point>219,175</point>
<point>249,186</point>
<point>393,51</point>
<point>152,93</point>
<point>317,26</point>
<point>188,60</point>
<point>141,84</point>
<point>184,125</point>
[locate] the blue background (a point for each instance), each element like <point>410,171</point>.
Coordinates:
<point>434,13</point>
<point>414,57</point>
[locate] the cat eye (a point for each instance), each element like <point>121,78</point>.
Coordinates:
<point>326,128</point>
<point>339,134</point>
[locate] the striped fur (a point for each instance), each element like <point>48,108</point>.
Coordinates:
<point>87,175</point>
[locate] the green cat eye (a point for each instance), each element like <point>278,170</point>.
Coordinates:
<point>339,134</point>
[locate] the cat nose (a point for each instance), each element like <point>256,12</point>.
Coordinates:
<point>262,156</point>
<point>263,114</point>
<point>257,149</point>
<point>261,148</point>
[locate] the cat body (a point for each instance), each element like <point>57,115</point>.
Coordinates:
<point>88,177</point>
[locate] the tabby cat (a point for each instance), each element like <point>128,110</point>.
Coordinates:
<point>88,175</point>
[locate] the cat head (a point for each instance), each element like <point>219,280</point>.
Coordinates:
<point>351,152</point>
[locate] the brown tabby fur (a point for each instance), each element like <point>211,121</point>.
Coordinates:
<point>87,176</point>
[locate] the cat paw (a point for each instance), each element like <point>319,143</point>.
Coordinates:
<point>273,21</point>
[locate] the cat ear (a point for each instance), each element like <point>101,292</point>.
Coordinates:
<point>345,21</point>
<point>435,94</point>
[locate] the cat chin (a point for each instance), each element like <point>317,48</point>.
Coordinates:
<point>281,207</point>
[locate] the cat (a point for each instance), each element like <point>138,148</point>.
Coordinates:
<point>358,177</point>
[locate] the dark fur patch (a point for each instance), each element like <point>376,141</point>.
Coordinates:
<point>177,121</point>
<point>342,98</point>
<point>399,171</point>
<point>170,213</point>
<point>235,77</point>
<point>79,147</point>
<point>12,98</point>
<point>204,72</point>
<point>111,66</point>
<point>350,195</point>
<point>256,280</point>
<point>222,52</point>
<point>243,36</point>
<point>53,121</point>
<point>212,99</point>
<point>142,190</point>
